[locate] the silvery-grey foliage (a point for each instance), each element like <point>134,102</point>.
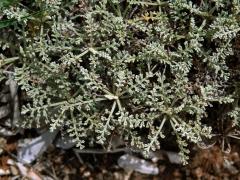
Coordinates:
<point>138,69</point>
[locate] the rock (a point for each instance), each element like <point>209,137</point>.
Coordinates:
<point>14,170</point>
<point>7,122</point>
<point>2,145</point>
<point>4,111</point>
<point>206,143</point>
<point>28,173</point>
<point>15,100</point>
<point>229,166</point>
<point>5,132</point>
<point>130,162</point>
<point>173,157</point>
<point>31,150</point>
<point>198,172</point>
<point>4,172</point>
<point>65,142</point>
<point>11,162</point>
<point>4,98</point>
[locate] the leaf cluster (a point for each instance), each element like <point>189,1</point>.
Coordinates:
<point>142,70</point>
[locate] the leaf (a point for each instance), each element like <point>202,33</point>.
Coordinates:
<point>7,3</point>
<point>7,23</point>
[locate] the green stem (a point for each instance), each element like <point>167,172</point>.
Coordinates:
<point>152,3</point>
<point>66,103</point>
<point>135,85</point>
<point>119,105</point>
<point>4,62</point>
<point>157,134</point>
<point>109,118</point>
<point>126,10</point>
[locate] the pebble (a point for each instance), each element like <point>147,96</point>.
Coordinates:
<point>133,163</point>
<point>4,111</point>
<point>10,162</point>
<point>14,170</point>
<point>86,174</point>
<point>4,172</point>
